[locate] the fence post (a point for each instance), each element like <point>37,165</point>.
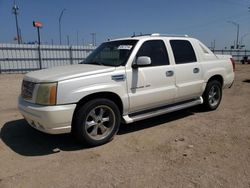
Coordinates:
<point>70,55</point>
<point>39,56</point>
<point>0,68</point>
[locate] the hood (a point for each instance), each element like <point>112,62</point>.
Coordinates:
<point>66,72</point>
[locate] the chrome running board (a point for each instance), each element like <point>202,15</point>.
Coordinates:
<point>163,110</point>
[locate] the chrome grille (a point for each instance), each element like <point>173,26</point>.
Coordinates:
<point>27,89</point>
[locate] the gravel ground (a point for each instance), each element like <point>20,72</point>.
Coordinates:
<point>182,149</point>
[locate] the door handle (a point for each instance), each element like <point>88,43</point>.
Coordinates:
<point>196,70</point>
<point>169,73</point>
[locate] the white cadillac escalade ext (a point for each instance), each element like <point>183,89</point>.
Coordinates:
<point>126,80</point>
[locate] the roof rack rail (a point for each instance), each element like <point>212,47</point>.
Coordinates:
<point>140,35</point>
<point>168,35</point>
<point>158,35</point>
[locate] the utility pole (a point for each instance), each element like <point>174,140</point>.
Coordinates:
<point>77,38</point>
<point>68,40</point>
<point>237,36</point>
<point>93,39</point>
<point>83,42</point>
<point>212,45</point>
<point>60,29</point>
<point>15,11</point>
<point>237,33</point>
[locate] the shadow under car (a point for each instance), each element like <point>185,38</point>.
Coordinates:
<point>27,141</point>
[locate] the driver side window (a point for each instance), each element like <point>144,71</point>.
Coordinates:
<point>156,50</point>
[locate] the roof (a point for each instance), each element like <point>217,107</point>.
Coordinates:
<point>146,36</point>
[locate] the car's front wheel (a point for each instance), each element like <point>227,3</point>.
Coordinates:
<point>96,122</point>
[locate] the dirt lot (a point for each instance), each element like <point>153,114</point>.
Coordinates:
<point>183,149</point>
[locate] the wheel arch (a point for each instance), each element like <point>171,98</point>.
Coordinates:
<point>206,98</point>
<point>107,95</point>
<point>217,77</point>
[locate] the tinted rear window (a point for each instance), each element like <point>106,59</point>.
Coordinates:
<point>183,51</point>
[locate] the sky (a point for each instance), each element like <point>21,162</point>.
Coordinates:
<point>207,20</point>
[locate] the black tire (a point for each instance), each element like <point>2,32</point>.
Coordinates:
<point>212,95</point>
<point>96,122</point>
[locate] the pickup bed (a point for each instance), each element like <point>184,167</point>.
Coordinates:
<point>124,80</point>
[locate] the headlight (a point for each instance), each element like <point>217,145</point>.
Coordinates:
<point>46,94</point>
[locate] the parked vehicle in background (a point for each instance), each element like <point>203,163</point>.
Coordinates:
<point>128,80</point>
<point>245,60</point>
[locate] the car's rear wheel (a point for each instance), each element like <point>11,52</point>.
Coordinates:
<point>96,122</point>
<point>212,95</point>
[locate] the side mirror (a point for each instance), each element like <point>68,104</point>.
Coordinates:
<point>142,61</point>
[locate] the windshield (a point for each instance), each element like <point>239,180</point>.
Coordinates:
<point>113,53</point>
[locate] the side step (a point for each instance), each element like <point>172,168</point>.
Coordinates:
<point>159,111</point>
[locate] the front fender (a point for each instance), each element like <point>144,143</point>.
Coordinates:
<point>72,91</point>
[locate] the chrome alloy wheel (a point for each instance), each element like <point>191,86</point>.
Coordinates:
<point>100,122</point>
<point>214,95</point>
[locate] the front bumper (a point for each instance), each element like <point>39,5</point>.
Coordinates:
<point>49,119</point>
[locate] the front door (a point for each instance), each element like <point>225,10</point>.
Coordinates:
<point>152,85</point>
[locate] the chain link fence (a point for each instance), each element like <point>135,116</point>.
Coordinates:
<point>21,58</point>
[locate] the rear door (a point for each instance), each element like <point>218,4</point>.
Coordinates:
<point>188,70</point>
